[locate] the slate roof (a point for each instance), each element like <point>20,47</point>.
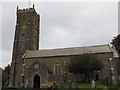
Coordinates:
<point>67,51</point>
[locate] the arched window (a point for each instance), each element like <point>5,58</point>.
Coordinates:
<point>59,69</point>
<point>55,71</point>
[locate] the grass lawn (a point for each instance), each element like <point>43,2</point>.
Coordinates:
<point>84,85</point>
<point>87,85</point>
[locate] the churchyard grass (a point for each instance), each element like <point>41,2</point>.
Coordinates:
<point>87,85</point>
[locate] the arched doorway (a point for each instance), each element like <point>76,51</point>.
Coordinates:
<point>36,81</point>
<point>97,77</point>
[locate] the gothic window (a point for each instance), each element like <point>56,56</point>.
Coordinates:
<point>37,66</point>
<point>56,69</point>
<point>59,69</point>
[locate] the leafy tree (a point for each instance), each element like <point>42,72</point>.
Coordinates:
<point>116,42</point>
<point>85,63</point>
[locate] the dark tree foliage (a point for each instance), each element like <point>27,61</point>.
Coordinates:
<point>85,63</point>
<point>116,42</point>
<point>5,76</point>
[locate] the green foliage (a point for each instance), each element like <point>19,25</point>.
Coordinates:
<point>106,81</point>
<point>116,43</point>
<point>119,82</point>
<point>85,63</point>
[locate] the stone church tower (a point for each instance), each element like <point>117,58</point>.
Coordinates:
<point>26,38</point>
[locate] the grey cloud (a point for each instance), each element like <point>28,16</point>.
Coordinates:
<point>88,22</point>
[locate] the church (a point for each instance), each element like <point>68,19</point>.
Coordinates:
<point>40,67</point>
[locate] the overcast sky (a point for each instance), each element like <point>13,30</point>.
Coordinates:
<point>64,24</point>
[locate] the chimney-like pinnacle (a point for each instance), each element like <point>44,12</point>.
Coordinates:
<point>33,5</point>
<point>17,7</point>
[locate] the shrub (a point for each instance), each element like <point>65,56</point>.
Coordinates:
<point>106,81</point>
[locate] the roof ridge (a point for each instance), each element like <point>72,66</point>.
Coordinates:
<point>70,47</point>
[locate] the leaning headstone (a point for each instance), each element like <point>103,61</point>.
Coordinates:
<point>93,85</point>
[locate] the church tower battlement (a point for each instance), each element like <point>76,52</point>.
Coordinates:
<point>26,38</point>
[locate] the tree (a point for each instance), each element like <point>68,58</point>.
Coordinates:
<point>85,63</point>
<point>116,42</point>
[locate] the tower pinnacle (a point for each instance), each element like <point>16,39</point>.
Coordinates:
<point>33,6</point>
<point>17,7</point>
